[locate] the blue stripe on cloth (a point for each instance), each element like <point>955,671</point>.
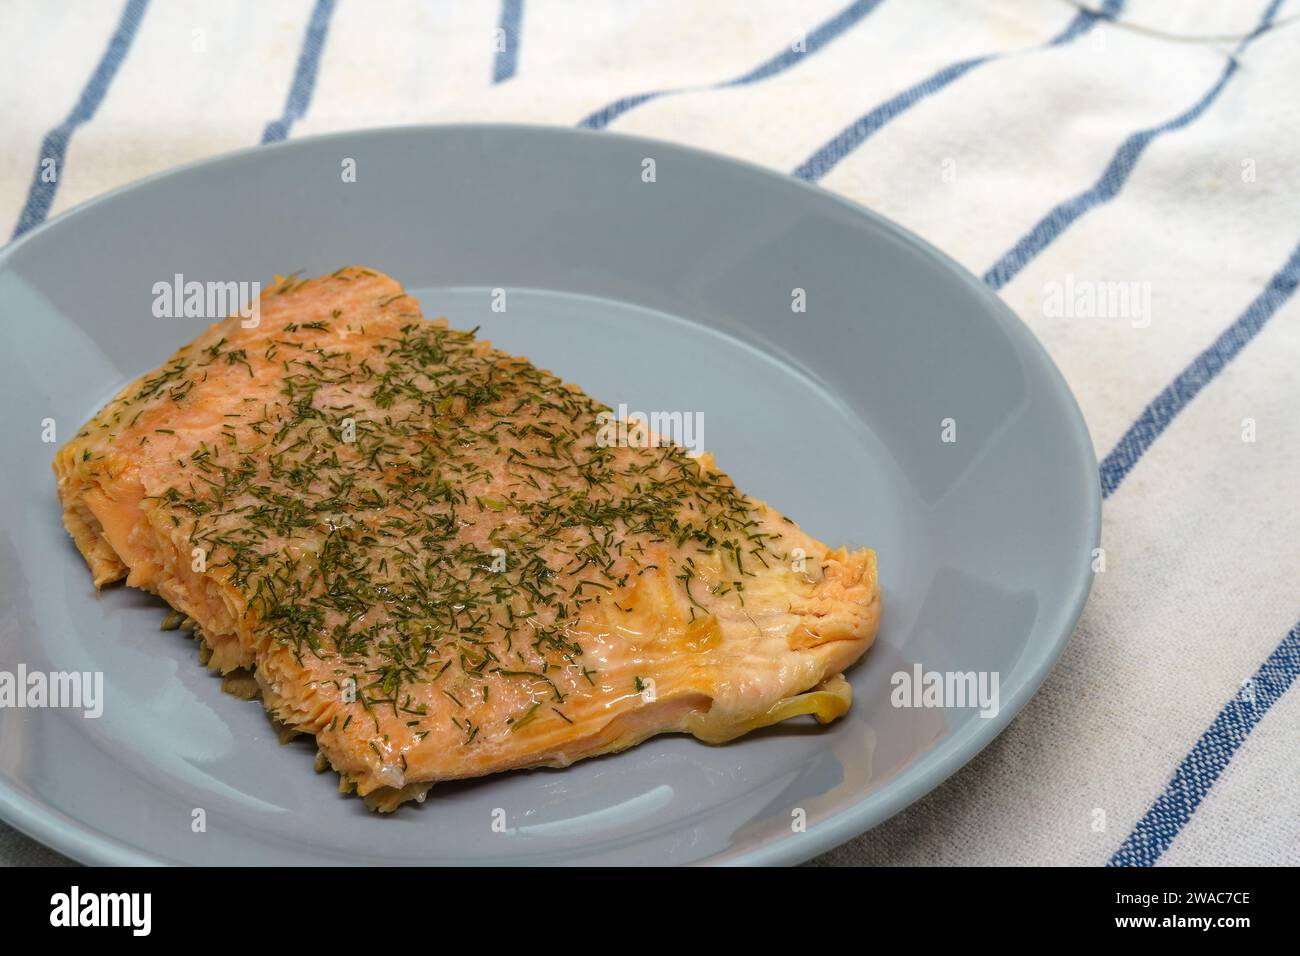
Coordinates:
<point>304,74</point>
<point>1155,418</point>
<point>855,134</point>
<point>1116,173</point>
<point>507,58</point>
<point>813,42</point>
<point>1213,751</point>
<point>40,196</point>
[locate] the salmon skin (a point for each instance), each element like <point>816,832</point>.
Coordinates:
<point>418,549</point>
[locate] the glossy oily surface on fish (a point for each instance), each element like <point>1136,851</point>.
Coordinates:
<point>426,553</point>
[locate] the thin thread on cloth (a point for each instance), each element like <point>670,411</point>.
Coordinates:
<point>1179,37</point>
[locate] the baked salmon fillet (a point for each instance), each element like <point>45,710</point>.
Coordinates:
<point>427,554</point>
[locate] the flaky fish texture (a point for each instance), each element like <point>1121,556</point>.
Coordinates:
<point>426,552</point>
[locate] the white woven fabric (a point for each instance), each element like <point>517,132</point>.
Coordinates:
<point>963,121</point>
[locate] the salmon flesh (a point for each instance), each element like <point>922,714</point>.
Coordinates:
<point>419,550</point>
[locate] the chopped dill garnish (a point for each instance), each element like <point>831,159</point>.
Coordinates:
<point>360,499</point>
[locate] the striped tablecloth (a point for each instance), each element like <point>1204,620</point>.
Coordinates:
<point>1124,175</point>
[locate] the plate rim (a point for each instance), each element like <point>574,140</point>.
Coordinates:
<point>74,838</point>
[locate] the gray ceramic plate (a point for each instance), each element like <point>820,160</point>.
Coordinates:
<point>675,294</point>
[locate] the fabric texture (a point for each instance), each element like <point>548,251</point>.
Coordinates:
<point>1124,174</point>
